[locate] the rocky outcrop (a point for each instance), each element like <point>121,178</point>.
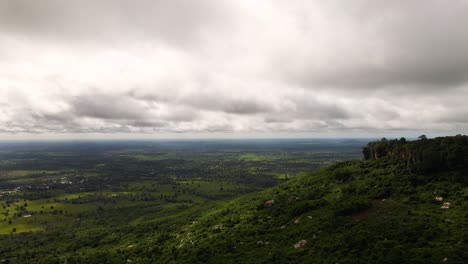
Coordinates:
<point>301,244</point>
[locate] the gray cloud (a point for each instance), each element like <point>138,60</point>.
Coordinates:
<point>107,107</point>
<point>174,22</point>
<point>421,44</point>
<point>234,67</point>
<point>210,101</point>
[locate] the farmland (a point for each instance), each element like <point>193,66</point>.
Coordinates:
<point>45,187</point>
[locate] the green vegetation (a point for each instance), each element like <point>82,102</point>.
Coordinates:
<point>198,207</point>
<point>255,157</point>
<point>374,211</point>
<point>423,155</point>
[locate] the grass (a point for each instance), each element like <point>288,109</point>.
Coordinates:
<point>35,206</point>
<point>72,196</point>
<point>21,225</point>
<point>50,210</point>
<point>19,173</point>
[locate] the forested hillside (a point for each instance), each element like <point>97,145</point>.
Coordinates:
<point>385,209</point>
<point>423,155</point>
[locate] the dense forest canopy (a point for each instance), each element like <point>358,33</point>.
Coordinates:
<point>426,155</point>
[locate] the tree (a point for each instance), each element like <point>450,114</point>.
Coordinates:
<point>366,152</point>
<point>422,137</point>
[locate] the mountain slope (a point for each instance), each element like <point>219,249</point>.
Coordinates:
<point>375,211</point>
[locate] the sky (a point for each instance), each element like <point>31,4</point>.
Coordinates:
<point>232,68</point>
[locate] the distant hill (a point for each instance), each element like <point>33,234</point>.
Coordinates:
<point>406,203</point>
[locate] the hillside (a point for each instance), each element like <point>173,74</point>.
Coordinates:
<point>383,210</point>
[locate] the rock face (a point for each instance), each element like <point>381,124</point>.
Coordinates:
<point>300,244</point>
<point>269,203</point>
<point>445,206</point>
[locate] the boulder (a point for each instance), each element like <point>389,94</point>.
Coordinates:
<point>300,244</point>
<point>269,203</point>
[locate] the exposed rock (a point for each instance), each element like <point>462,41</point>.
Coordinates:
<point>445,206</point>
<point>301,244</point>
<point>269,203</point>
<point>439,198</point>
<point>297,221</point>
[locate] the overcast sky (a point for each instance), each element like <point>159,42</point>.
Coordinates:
<point>232,68</point>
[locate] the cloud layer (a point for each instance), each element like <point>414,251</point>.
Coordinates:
<point>222,66</point>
